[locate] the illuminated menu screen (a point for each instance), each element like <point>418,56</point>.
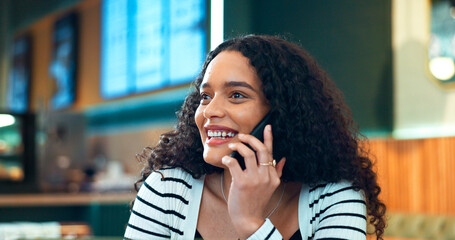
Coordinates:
<point>19,77</point>
<point>150,44</point>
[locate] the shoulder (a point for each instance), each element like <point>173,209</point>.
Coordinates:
<point>162,205</point>
<point>170,176</point>
<point>335,196</point>
<point>165,194</point>
<point>337,208</point>
<point>171,180</point>
<point>339,190</point>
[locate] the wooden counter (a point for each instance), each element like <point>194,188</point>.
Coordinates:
<point>64,199</point>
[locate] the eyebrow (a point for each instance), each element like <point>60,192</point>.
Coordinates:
<point>231,84</point>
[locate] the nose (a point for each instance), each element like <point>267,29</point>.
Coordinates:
<point>214,109</point>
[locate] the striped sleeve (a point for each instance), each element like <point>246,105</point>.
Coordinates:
<point>150,216</point>
<point>338,212</point>
<point>266,232</point>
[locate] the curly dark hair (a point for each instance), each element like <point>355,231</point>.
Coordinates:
<point>312,125</point>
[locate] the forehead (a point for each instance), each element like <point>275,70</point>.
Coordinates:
<point>231,66</point>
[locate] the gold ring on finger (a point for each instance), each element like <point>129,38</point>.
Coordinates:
<point>272,163</point>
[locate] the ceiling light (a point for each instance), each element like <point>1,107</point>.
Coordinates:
<point>6,120</point>
<point>442,68</point>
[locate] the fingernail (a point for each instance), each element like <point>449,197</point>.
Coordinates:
<point>230,145</point>
<point>269,127</point>
<point>241,134</point>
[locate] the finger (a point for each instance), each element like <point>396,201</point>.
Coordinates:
<point>233,166</point>
<point>277,171</point>
<point>262,152</point>
<point>248,155</point>
<point>268,138</point>
<point>280,166</point>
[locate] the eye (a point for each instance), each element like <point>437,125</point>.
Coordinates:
<point>237,95</point>
<point>204,96</point>
<point>205,99</point>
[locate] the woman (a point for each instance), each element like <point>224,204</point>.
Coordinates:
<point>323,187</point>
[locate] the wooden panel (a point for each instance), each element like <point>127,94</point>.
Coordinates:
<point>64,199</point>
<point>416,175</point>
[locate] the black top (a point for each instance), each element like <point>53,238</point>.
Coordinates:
<point>295,236</point>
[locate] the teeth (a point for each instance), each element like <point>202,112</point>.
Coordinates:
<point>220,134</point>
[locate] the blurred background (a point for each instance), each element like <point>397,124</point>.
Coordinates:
<point>85,85</point>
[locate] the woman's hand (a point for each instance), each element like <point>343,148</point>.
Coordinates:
<point>251,189</point>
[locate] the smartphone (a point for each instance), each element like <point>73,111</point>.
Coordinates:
<point>257,132</point>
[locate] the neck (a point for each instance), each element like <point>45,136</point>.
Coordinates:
<point>227,180</point>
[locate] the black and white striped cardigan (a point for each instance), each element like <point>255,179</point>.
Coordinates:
<point>167,207</point>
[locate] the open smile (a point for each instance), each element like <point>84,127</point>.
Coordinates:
<point>217,135</point>
<point>220,134</point>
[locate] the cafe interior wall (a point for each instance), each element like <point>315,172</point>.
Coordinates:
<point>374,51</point>
<point>422,107</point>
<point>120,140</point>
<point>352,41</point>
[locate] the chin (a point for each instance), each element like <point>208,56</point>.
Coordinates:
<point>213,157</point>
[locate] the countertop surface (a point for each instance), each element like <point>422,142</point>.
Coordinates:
<point>64,199</point>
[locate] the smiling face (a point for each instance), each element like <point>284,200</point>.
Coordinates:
<point>232,102</point>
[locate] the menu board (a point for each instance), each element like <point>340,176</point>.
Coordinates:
<point>150,44</point>
<point>63,67</point>
<point>114,48</point>
<point>19,76</point>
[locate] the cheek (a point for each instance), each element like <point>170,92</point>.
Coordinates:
<point>199,118</point>
<point>241,115</point>
<point>248,118</point>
